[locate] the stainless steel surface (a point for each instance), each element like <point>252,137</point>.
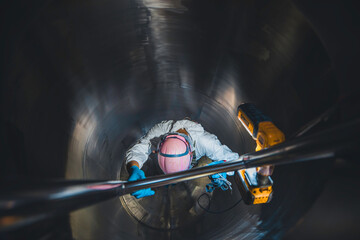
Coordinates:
<point>83,80</point>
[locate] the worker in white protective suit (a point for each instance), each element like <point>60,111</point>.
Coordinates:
<point>181,142</point>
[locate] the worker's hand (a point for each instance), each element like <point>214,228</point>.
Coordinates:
<point>137,174</point>
<point>218,180</point>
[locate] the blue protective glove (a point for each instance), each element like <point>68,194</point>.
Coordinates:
<point>218,180</point>
<point>137,174</point>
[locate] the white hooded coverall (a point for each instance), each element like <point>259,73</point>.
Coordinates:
<point>204,143</point>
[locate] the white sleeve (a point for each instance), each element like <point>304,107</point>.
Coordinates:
<point>142,149</point>
<point>208,144</point>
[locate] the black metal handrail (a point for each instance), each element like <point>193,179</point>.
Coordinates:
<point>65,196</point>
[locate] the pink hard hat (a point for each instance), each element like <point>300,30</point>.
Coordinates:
<point>174,154</point>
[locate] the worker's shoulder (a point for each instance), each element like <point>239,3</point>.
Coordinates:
<point>161,126</point>
<point>165,122</point>
<point>190,125</point>
<point>170,123</point>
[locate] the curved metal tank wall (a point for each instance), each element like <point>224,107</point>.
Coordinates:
<point>85,79</point>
